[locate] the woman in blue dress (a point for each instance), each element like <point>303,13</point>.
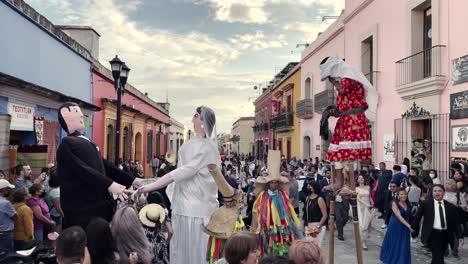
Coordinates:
<point>396,244</point>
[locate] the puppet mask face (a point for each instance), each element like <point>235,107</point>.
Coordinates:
<point>198,125</point>
<point>73,118</point>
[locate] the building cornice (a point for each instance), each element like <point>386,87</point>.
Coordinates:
<point>357,10</point>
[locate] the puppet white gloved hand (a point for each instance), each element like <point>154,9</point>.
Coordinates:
<point>117,190</point>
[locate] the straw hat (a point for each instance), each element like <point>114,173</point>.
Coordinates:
<point>171,157</point>
<point>274,163</point>
<point>223,220</point>
<point>151,214</point>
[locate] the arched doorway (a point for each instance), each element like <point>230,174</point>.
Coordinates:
<point>110,143</point>
<point>138,141</point>
<point>306,146</point>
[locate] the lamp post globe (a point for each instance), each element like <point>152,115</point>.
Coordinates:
<point>124,75</point>
<point>116,67</point>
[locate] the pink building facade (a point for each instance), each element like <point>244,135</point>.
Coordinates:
<point>263,136</point>
<point>145,123</point>
<point>414,53</point>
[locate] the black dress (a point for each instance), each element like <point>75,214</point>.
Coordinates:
<point>312,212</point>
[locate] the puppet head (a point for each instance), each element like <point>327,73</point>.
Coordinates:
<point>70,117</point>
<point>204,122</point>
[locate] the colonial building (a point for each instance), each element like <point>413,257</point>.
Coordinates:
<point>263,135</point>
<point>421,79</point>
<point>176,138</point>
<point>285,126</point>
<point>41,68</point>
<point>243,135</point>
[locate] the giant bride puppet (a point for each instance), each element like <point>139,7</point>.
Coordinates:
<point>86,179</point>
<point>192,190</point>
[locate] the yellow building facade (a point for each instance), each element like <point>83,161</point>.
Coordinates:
<point>286,126</point>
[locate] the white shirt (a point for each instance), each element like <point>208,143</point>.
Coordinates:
<point>194,192</point>
<point>437,224</point>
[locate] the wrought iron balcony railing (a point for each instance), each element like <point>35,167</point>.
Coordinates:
<point>419,66</point>
<point>283,122</point>
<point>324,99</point>
<point>305,109</point>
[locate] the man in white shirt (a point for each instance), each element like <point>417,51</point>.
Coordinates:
<point>441,224</point>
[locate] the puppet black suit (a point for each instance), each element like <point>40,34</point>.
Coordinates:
<point>86,179</point>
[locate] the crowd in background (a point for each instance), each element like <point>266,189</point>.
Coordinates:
<point>30,212</point>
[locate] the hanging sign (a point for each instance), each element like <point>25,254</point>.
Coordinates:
<point>459,105</point>
<point>22,117</point>
<point>460,70</point>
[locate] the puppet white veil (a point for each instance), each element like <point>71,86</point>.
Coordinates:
<point>337,68</point>
<point>209,122</point>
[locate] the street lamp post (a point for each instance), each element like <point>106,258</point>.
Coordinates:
<point>120,74</point>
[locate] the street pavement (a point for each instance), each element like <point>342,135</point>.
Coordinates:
<point>345,250</point>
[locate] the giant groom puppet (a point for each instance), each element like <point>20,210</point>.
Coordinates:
<point>86,179</point>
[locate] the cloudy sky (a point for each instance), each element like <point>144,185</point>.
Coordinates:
<point>200,52</point>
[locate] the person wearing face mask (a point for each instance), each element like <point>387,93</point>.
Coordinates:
<point>315,213</point>
<point>40,210</point>
<point>192,190</point>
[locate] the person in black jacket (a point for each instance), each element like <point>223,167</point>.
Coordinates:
<point>384,177</point>
<point>390,195</point>
<point>440,224</point>
<point>86,179</point>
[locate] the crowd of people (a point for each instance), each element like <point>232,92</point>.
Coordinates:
<point>31,211</point>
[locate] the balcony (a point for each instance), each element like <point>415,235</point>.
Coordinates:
<point>260,128</point>
<point>305,109</point>
<point>324,99</point>
<point>420,74</point>
<point>283,122</point>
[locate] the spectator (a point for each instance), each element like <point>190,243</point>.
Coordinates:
<point>153,217</point>
<point>390,196</point>
<point>241,248</point>
<point>433,175</point>
<point>23,171</point>
<point>71,246</point>
<point>384,177</point>
<point>453,196</point>
<point>155,165</point>
<point>396,244</point>
<point>294,191</point>
<point>101,245</point>
<point>414,192</point>
<point>129,235</point>
<point>315,212</point>
<point>398,177</point>
<point>2,175</point>
<point>23,234</point>
<point>53,201</point>
<point>40,210</point>
<point>7,217</point>
<point>139,169</point>
<point>306,252</point>
<point>156,197</point>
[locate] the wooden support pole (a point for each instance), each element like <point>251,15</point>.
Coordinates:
<point>353,202</point>
<point>331,223</point>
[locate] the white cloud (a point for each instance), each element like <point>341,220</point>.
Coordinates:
<point>257,41</point>
<point>239,11</point>
<point>192,66</point>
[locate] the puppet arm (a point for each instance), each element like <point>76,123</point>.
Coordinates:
<point>182,173</point>
<point>118,175</point>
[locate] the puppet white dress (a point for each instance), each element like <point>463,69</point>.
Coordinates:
<point>192,190</point>
<point>193,196</point>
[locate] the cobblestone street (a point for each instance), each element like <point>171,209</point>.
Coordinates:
<point>344,250</point>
